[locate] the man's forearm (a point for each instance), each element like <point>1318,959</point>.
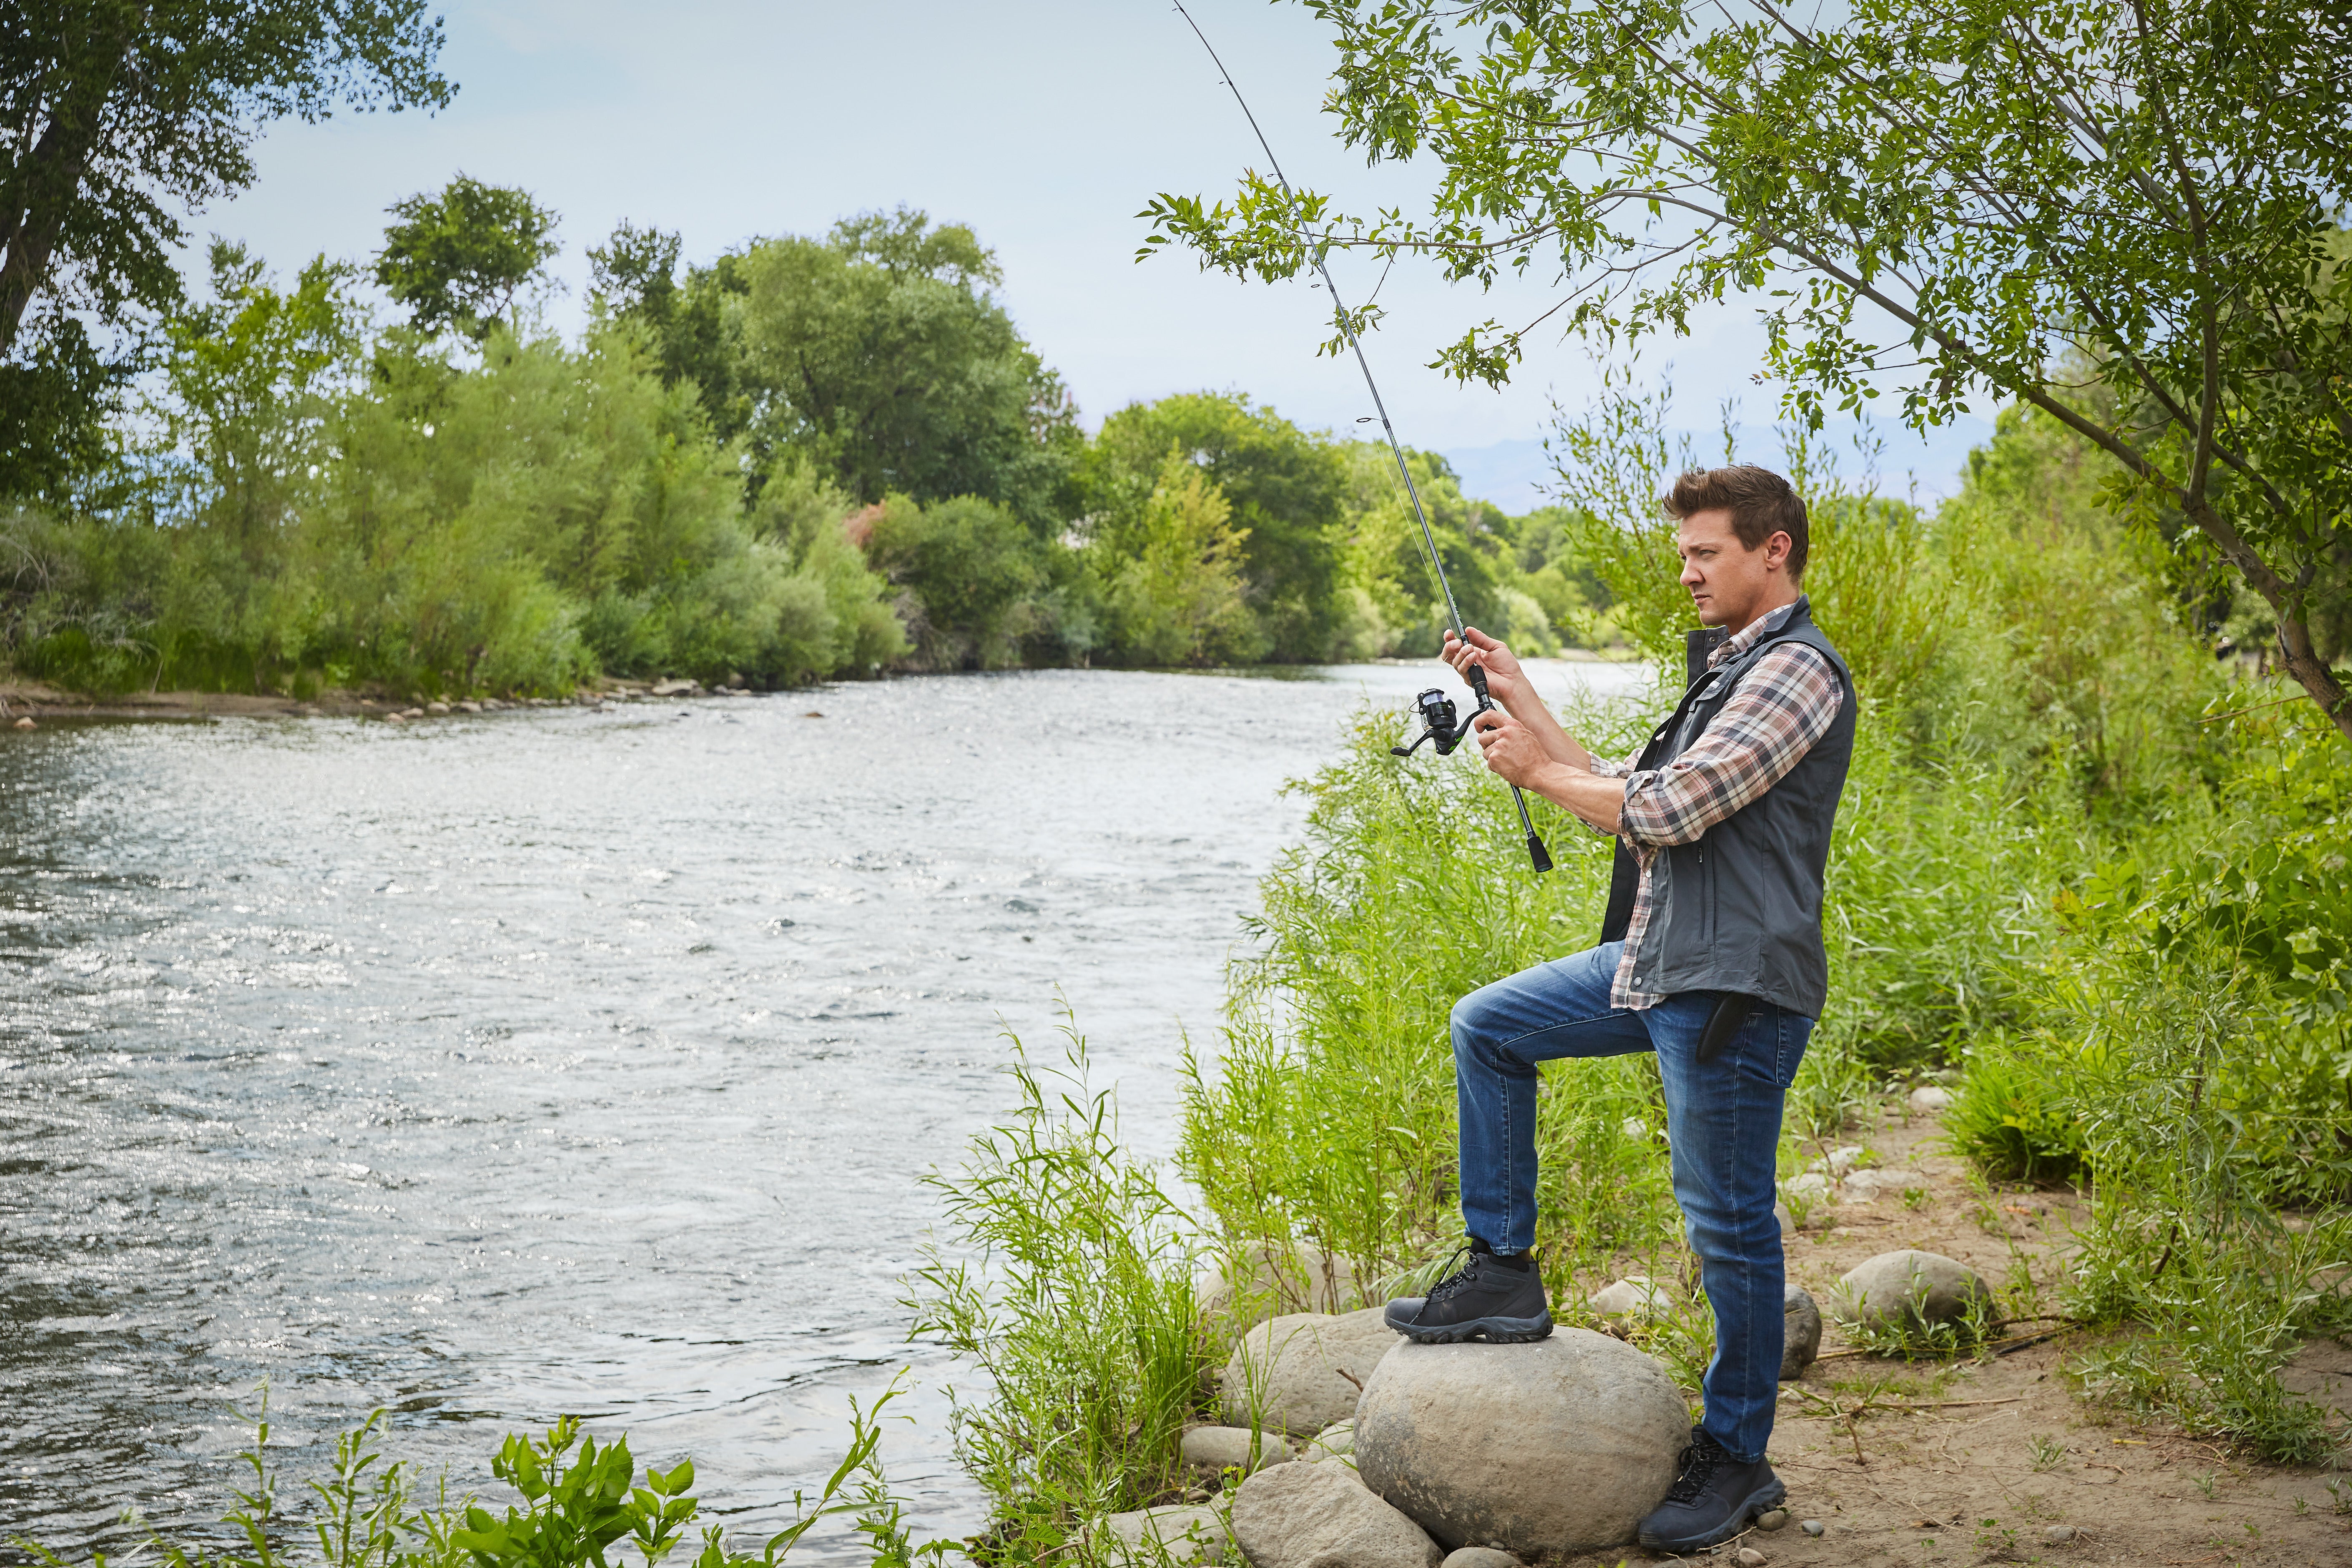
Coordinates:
<point>1558,743</point>
<point>1593,797</point>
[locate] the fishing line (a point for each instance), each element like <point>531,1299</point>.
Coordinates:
<point>1539,856</point>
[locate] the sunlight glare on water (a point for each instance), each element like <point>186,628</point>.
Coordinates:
<point>560,1062</point>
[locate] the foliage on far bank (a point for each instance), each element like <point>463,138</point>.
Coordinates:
<point>807,459</point>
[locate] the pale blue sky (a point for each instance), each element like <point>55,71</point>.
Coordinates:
<point>1044,125</point>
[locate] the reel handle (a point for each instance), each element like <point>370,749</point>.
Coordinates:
<point>1537,855</point>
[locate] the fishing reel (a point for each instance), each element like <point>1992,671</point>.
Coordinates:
<point>1437,725</point>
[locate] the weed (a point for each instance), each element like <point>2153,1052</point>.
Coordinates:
<point>579,1500</point>
<point>2048,1452</point>
<point>1071,1290</point>
<point>2205,1484</point>
<point>1915,1198</point>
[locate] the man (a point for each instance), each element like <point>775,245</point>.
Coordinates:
<point>1723,829</point>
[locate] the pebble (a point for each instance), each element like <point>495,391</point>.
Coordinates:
<point>1814,1527</point>
<point>1776,1519</point>
<point>2059,1534</point>
<point>1750,1558</point>
<point>25,724</point>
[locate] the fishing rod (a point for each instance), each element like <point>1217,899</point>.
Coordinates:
<point>1436,710</point>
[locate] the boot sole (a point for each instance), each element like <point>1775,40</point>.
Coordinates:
<point>1494,1331</point>
<point>1763,1500</point>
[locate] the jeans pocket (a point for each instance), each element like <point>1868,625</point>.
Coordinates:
<point>1790,1031</point>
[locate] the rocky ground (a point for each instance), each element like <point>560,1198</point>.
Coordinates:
<point>1992,1459</point>
<point>1998,1460</point>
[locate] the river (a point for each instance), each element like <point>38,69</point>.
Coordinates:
<point>490,1069</point>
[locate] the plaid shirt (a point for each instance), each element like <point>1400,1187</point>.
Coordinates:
<point>1782,706</point>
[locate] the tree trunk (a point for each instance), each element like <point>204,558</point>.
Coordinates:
<point>2303,662</point>
<point>49,180</point>
<point>2302,659</point>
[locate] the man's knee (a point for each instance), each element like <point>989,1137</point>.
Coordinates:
<point>1467,1024</point>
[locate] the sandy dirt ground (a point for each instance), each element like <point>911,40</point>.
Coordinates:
<point>1986,1460</point>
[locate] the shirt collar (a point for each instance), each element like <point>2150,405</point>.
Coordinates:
<point>1758,630</point>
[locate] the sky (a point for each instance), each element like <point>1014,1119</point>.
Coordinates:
<point>1044,125</point>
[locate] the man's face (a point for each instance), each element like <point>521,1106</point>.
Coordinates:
<point>1727,581</point>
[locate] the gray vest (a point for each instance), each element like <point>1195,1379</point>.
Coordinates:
<point>1740,910</point>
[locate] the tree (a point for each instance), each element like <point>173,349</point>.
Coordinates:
<point>880,355</point>
<point>459,258</point>
<point>635,274</point>
<point>117,117</point>
<point>1172,581</point>
<point>1966,196</point>
<point>247,387</point>
<point>1284,486</point>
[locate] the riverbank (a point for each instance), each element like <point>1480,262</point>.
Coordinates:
<point>37,700</point>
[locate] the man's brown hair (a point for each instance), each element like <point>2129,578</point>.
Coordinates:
<point>1761,504</point>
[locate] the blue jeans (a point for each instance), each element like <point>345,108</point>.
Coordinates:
<point>1722,1121</point>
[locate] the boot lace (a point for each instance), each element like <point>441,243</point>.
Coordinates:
<point>1701,1461</point>
<point>1455,1278</point>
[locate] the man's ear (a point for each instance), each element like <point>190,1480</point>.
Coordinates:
<point>1776,552</point>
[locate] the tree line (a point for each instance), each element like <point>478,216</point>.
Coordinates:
<point>808,456</point>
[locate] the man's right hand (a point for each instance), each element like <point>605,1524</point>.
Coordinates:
<point>1505,678</point>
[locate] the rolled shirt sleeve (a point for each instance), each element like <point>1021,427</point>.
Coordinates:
<point>1783,707</point>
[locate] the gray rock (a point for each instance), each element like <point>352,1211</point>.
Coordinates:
<point>1787,1221</point>
<point>1228,1447</point>
<point>1268,1279</point>
<point>1748,1557</point>
<point>1901,1289</point>
<point>1337,1442</point>
<point>1873,1183</point>
<point>1814,1527</point>
<point>1838,1161</point>
<point>1929,1099</point>
<point>1776,1519</point>
<point>1556,1447</point>
<point>1636,1298</point>
<point>675,688</point>
<point>2059,1534</point>
<point>1302,1371</point>
<point>1320,1515</point>
<point>1801,1331</point>
<point>1479,1557</point>
<point>436,709</point>
<point>1807,1188</point>
<point>469,706</point>
<point>1188,1534</point>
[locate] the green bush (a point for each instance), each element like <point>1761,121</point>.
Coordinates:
<point>2015,1116</point>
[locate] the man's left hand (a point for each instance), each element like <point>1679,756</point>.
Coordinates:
<point>1511,749</point>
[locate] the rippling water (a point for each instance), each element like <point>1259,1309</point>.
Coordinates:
<point>558,1061</point>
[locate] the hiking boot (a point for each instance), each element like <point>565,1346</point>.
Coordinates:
<point>1712,1499</point>
<point>1486,1297</point>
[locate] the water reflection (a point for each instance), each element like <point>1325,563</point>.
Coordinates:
<point>559,1062</point>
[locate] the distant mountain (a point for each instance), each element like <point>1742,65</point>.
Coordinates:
<point>1515,475</point>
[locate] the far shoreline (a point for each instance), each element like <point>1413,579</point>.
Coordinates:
<point>39,702</point>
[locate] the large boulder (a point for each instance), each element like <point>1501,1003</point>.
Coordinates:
<point>1558,1446</point>
<point>1801,1331</point>
<point>1267,1279</point>
<point>1185,1534</point>
<point>1321,1515</point>
<point>1302,1371</point>
<point>1899,1291</point>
